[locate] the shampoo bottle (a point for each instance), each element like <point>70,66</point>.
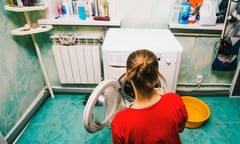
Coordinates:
<point>81,10</point>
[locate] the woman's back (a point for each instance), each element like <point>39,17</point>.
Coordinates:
<point>159,123</point>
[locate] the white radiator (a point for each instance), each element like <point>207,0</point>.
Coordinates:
<point>77,57</point>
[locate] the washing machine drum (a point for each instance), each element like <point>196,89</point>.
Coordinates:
<point>126,89</point>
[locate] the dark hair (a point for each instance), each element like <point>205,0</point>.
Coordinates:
<point>143,70</point>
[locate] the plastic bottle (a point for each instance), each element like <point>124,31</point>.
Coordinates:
<point>65,8</point>
<point>208,13</point>
<point>59,8</point>
<point>81,10</point>
<point>176,11</point>
<point>185,9</point>
<point>11,3</point>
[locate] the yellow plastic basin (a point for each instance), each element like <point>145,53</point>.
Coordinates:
<point>198,111</point>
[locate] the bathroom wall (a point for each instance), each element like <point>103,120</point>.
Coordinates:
<point>198,52</point>
<point>21,75</point>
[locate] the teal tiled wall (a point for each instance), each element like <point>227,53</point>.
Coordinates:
<point>20,74</point>
<point>197,57</point>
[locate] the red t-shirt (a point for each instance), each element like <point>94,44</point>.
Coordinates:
<point>156,124</point>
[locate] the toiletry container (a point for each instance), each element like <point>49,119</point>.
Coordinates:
<point>81,10</point>
<point>185,8</point>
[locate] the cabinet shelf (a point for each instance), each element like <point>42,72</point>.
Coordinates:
<point>74,20</point>
<point>196,27</point>
<point>22,30</point>
<point>24,9</point>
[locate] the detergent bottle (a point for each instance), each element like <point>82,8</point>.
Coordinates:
<point>185,8</point>
<point>208,12</point>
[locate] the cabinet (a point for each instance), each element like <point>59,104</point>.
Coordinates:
<point>195,28</point>
<point>53,18</point>
<point>32,31</point>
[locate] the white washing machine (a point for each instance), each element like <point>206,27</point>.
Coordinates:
<point>120,42</point>
<point>112,94</point>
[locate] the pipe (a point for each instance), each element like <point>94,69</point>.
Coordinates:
<point>59,89</point>
<point>203,84</point>
<point>202,89</point>
<point>42,66</point>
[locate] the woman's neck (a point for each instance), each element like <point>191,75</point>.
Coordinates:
<point>146,101</point>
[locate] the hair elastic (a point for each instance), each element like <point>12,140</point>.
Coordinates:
<point>139,64</point>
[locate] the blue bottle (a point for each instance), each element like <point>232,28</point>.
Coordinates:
<point>185,8</point>
<point>81,10</point>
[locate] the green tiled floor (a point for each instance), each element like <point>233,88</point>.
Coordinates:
<point>59,121</point>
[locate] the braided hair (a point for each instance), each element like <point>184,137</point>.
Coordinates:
<point>143,70</point>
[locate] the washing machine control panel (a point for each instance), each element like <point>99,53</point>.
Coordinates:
<point>119,59</point>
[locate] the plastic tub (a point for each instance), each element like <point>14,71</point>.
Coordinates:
<point>198,111</point>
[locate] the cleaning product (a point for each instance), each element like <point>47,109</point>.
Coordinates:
<point>185,8</point>
<point>208,12</point>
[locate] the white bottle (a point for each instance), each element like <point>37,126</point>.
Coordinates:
<point>208,12</point>
<point>175,11</point>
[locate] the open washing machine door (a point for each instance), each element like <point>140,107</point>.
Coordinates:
<point>103,103</point>
<point>109,97</point>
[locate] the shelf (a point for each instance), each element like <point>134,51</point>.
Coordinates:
<point>26,30</point>
<point>22,32</point>
<point>196,27</point>
<point>24,9</point>
<point>74,20</point>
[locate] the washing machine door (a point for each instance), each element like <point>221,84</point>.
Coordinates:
<point>109,97</point>
<point>102,105</point>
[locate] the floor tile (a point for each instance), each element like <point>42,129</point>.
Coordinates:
<point>231,130</point>
<point>59,121</point>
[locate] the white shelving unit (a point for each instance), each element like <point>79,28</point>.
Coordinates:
<point>198,30</point>
<point>32,31</point>
<point>21,31</point>
<point>74,20</point>
<point>196,26</point>
<point>53,18</point>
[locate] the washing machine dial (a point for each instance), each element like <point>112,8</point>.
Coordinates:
<point>168,62</point>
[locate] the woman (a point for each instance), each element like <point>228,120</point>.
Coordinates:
<point>154,117</point>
